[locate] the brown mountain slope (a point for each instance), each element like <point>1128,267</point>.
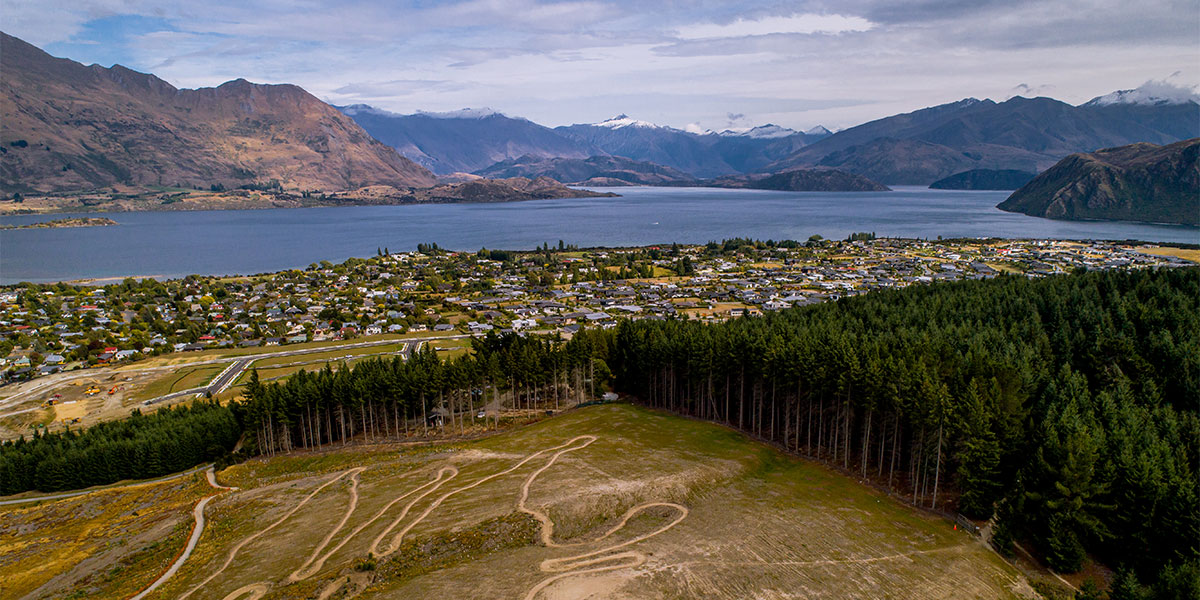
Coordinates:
<point>72,127</point>
<point>1139,182</point>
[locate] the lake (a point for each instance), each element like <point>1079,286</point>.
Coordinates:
<point>175,244</point>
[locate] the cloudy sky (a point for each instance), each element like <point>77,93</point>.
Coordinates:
<point>711,64</point>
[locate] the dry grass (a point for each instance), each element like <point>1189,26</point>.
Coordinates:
<point>108,544</point>
<point>761,525</point>
<point>1189,254</point>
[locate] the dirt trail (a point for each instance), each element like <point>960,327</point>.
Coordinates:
<point>232,553</point>
<point>197,531</point>
<point>382,546</point>
<point>316,561</point>
<point>581,564</point>
<point>394,544</point>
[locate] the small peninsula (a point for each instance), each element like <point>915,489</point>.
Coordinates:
<point>65,223</point>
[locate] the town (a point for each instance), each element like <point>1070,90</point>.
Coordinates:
<point>50,328</point>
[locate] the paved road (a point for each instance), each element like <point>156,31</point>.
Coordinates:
<point>226,378</point>
<point>40,384</point>
<point>220,383</point>
<point>83,492</point>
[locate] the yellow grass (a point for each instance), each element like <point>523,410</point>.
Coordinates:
<point>126,535</point>
<point>1189,254</point>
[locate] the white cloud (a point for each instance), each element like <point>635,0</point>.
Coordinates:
<point>803,23</point>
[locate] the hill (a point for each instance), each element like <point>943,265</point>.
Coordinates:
<point>1027,134</point>
<point>984,179</point>
<point>802,180</point>
<point>1139,182</point>
<point>611,501</point>
<point>73,127</point>
<point>467,140</point>
<point>595,170</point>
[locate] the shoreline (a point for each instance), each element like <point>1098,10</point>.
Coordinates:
<point>114,279</point>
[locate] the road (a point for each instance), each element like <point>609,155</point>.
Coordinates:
<point>221,382</point>
<point>226,378</point>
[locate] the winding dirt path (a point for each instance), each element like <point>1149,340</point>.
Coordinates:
<point>603,559</point>
<point>582,564</point>
<point>317,560</point>
<point>233,553</point>
<point>197,530</point>
<point>383,551</point>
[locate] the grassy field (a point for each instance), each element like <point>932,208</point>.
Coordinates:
<point>187,357</point>
<point>448,349</point>
<point>108,544</point>
<point>184,378</point>
<point>609,501</point>
<point>330,355</point>
<point>1191,254</point>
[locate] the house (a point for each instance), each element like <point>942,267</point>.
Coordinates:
<point>479,327</point>
<point>524,323</point>
<point>53,359</point>
<point>372,330</point>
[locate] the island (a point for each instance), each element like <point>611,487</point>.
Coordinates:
<point>984,179</point>
<point>65,223</point>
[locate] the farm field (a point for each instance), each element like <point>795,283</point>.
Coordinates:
<point>610,501</point>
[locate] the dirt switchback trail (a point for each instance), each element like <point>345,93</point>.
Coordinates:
<point>581,564</point>
<point>197,531</point>
<point>233,553</point>
<point>394,544</point>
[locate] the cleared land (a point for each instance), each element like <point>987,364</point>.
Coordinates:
<point>607,501</point>
<point>55,401</point>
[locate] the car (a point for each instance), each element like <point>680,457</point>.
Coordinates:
<point>481,415</point>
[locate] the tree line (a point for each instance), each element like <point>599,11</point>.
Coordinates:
<point>140,447</point>
<point>380,398</point>
<point>1066,406</point>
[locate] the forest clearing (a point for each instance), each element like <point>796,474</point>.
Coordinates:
<point>616,500</point>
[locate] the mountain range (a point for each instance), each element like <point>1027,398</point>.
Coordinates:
<point>473,140</point>
<point>465,141</point>
<point>73,127</point>
<point>916,148</point>
<point>70,127</point>
<point>1027,134</point>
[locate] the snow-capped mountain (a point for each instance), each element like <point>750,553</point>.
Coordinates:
<point>769,131</point>
<point>465,113</point>
<point>818,130</point>
<point>623,120</point>
<point>1151,95</point>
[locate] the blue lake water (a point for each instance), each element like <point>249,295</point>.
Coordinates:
<point>175,244</point>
